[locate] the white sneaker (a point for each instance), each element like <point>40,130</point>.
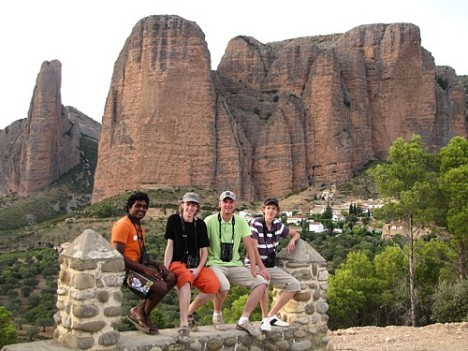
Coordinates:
<point>265,325</point>
<point>277,322</point>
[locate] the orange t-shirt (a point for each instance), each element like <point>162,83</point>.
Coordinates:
<point>125,232</point>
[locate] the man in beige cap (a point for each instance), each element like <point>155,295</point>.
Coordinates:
<point>226,231</point>
<point>186,254</point>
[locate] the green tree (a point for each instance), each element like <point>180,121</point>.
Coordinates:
<point>328,213</point>
<point>451,302</point>
<point>408,181</point>
<point>354,293</point>
<point>454,186</point>
<point>391,266</point>
<point>44,322</point>
<point>7,328</point>
<point>32,331</point>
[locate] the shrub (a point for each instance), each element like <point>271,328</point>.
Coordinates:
<point>451,302</point>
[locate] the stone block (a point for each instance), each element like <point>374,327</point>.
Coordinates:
<point>214,344</point>
<point>302,296</point>
<point>85,311</point>
<point>195,346</point>
<point>322,307</point>
<point>80,343</point>
<point>118,295</point>
<point>81,265</point>
<point>300,333</point>
<point>113,280</point>
<point>302,275</point>
<point>102,296</point>
<point>109,338</point>
<point>114,265</point>
<point>323,275</point>
<point>84,295</point>
<point>301,346</point>
<point>64,276</point>
<point>309,308</point>
<point>112,311</point>
<point>230,342</point>
<point>90,327</point>
<point>315,318</point>
<point>283,345</point>
<point>83,281</point>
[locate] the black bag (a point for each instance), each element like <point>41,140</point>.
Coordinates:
<point>270,260</point>
<point>145,258</point>
<point>139,283</point>
<point>226,251</point>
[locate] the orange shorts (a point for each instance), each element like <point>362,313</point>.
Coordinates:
<point>206,281</point>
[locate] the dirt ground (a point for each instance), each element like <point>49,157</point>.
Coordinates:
<point>435,337</point>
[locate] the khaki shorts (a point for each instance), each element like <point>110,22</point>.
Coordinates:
<point>236,276</point>
<point>281,279</point>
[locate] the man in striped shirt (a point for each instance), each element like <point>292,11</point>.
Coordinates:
<point>267,232</point>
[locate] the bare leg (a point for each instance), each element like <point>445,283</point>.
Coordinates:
<point>253,299</point>
<point>184,301</point>
<point>199,301</point>
<point>219,299</point>
<point>138,312</point>
<point>280,302</point>
<point>158,290</point>
<point>264,303</point>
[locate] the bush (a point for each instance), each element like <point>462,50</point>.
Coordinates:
<point>451,302</point>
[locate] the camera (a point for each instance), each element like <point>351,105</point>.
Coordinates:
<point>192,261</point>
<point>145,258</point>
<point>226,252</point>
<point>270,260</point>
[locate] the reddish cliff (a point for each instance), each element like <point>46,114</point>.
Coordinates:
<point>38,150</point>
<point>274,117</point>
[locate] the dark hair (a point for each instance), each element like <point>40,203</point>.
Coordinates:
<point>137,196</point>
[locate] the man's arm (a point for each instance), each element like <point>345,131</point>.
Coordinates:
<point>293,237</point>
<point>136,266</point>
<point>254,258</point>
<point>168,253</point>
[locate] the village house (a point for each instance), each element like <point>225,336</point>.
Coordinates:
<point>393,228</point>
<point>316,227</point>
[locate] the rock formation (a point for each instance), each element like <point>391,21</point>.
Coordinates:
<point>38,150</point>
<point>274,117</point>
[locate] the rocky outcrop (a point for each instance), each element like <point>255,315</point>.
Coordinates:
<point>38,150</point>
<point>274,117</point>
<point>159,123</point>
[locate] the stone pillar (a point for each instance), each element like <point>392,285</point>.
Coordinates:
<point>308,307</point>
<point>89,295</point>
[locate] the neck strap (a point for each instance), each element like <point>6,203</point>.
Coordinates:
<point>233,222</point>
<point>139,231</point>
<point>184,234</point>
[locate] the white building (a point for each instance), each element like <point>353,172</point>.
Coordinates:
<point>316,227</point>
<point>294,220</point>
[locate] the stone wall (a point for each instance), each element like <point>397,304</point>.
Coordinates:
<point>89,295</point>
<point>89,301</point>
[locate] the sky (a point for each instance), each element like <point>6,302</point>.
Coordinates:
<point>87,36</point>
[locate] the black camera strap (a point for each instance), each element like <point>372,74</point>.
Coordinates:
<point>265,232</point>
<point>233,224</point>
<point>139,231</point>
<point>184,233</point>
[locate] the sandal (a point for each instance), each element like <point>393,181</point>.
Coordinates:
<point>139,324</point>
<point>153,330</point>
<point>184,334</point>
